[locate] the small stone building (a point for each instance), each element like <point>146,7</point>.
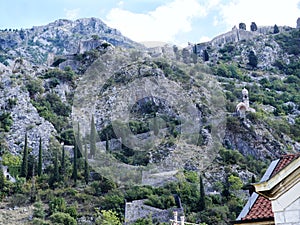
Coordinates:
<point>137,209</point>
<point>243,107</point>
<point>276,200</point>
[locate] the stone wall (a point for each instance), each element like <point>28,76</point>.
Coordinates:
<point>137,209</point>
<point>290,215</point>
<point>287,207</point>
<point>234,35</point>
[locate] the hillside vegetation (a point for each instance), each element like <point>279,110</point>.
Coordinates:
<point>89,122</point>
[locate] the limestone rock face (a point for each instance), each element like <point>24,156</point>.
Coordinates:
<point>298,23</point>
<point>59,37</point>
<point>25,118</point>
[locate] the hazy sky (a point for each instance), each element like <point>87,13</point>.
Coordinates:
<point>176,21</point>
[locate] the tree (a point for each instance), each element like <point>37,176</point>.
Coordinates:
<point>38,211</point>
<point>252,59</point>
<point>56,167</point>
<point>202,205</point>
<point>62,218</point>
<point>106,142</point>
<point>78,142</point>
<point>253,179</point>
<point>93,138</point>
<point>205,55</point>
<point>242,26</point>
<point>253,26</point>
<point>108,218</point>
<point>144,221</point>
<point>276,29</point>
<point>2,178</point>
<point>39,169</point>
<point>63,161</point>
<point>24,167</point>
<point>235,183</point>
<point>74,175</point>
<point>86,166</point>
<point>155,126</point>
<point>77,154</point>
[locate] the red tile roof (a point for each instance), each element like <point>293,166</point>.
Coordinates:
<point>262,208</point>
<point>284,161</point>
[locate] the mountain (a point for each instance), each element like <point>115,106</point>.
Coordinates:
<point>162,115</point>
<point>41,43</point>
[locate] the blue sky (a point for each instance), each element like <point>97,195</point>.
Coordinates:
<point>174,21</point>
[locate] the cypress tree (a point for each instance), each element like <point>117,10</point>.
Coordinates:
<point>93,138</point>
<point>202,205</point>
<point>276,29</point>
<point>155,126</point>
<point>56,171</point>
<point>75,151</point>
<point>242,26</point>
<point>252,59</point>
<point>79,143</point>
<point>32,189</point>
<point>75,165</point>
<point>86,166</point>
<point>63,163</point>
<point>24,167</point>
<point>2,178</point>
<point>39,169</point>
<point>253,26</point>
<point>253,179</point>
<point>205,55</point>
<point>106,142</point>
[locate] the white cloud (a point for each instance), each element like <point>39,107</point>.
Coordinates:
<point>213,3</point>
<point>204,39</point>
<point>72,14</point>
<point>262,12</point>
<point>120,3</point>
<point>162,24</point>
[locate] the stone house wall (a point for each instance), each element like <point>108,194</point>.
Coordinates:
<point>286,208</point>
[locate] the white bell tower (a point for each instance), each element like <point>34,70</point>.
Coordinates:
<point>245,94</point>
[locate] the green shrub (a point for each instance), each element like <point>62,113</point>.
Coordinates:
<point>143,221</point>
<point>72,210</point>
<point>161,202</point>
<point>62,218</point>
<point>289,41</point>
<point>108,218</point>
<point>57,204</point>
<point>53,109</point>
<point>38,211</point>
<point>38,221</point>
<point>34,86</point>
<point>6,121</point>
<point>63,75</point>
<point>9,159</point>
<point>138,192</point>
<point>231,156</point>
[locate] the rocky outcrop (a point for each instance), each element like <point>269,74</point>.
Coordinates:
<point>25,117</point>
<point>60,37</point>
<point>256,140</point>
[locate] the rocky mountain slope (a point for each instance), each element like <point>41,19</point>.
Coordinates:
<point>41,44</point>
<point>156,110</point>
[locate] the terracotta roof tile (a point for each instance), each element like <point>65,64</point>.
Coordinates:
<point>284,161</point>
<point>262,208</point>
